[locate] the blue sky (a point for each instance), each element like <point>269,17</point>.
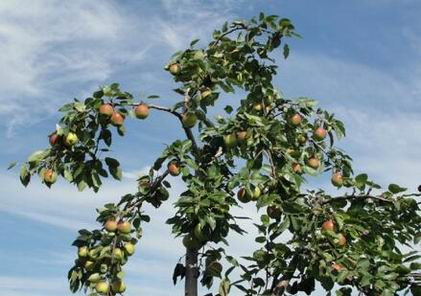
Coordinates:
<point>360,59</point>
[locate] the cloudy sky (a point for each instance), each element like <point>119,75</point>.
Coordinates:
<point>360,59</point>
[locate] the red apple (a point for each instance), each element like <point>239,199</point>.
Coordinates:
<point>328,225</point>
<point>106,110</point>
<point>117,119</point>
<point>295,119</point>
<point>141,111</point>
<point>314,163</point>
<point>54,139</point>
<point>174,168</point>
<point>337,179</point>
<point>320,133</point>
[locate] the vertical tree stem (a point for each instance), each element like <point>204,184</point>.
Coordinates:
<point>191,273</point>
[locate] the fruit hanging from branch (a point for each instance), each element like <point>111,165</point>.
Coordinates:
<point>141,111</point>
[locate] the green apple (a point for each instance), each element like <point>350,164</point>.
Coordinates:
<point>129,248</point>
<point>124,227</point>
<point>118,286</point>
<point>175,69</point>
<point>102,287</point>
<point>191,243</point>
<point>83,252</point>
<point>71,139</point>
<point>118,254</point>
<point>110,225</point>
<point>230,140</point>
<point>189,119</point>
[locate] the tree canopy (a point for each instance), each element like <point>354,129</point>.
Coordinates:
<point>260,151</point>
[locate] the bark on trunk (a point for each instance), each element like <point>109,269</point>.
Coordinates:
<point>191,273</point>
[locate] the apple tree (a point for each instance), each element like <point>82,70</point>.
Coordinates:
<point>259,151</point>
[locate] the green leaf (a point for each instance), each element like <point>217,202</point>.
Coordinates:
<point>114,168</point>
<point>286,51</point>
<point>25,177</point>
<point>396,188</point>
<point>361,180</point>
<point>37,156</point>
<point>12,165</point>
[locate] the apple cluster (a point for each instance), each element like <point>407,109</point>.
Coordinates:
<point>101,255</point>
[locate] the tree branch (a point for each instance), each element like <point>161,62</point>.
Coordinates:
<point>357,197</point>
<point>187,131</point>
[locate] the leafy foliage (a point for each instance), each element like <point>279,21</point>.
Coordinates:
<point>259,152</point>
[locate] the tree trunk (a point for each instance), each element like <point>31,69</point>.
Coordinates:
<point>191,273</point>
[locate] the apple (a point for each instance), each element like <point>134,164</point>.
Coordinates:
<point>83,252</point>
<point>175,68</point>
<point>295,119</point>
<point>71,139</point>
<point>141,111</point>
<point>337,179</point>
<point>93,253</point>
<point>302,139</point>
<point>320,133</point>
<point>118,254</point>
<point>258,107</point>
<point>54,139</point>
<point>257,192</point>
<point>296,168</point>
<point>174,168</point>
<point>89,265</point>
<point>102,287</point>
<point>189,119</point>
<point>110,225</point>
<point>129,248</point>
<point>314,163</point>
<point>328,225</point>
<point>230,140</point>
<point>338,267</point>
<point>117,119</point>
<point>124,227</point>
<point>118,286</point>
<point>341,241</point>
<point>205,93</point>
<point>49,176</point>
<point>191,243</point>
<point>242,136</point>
<point>273,212</point>
<point>106,110</point>
<point>243,196</point>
